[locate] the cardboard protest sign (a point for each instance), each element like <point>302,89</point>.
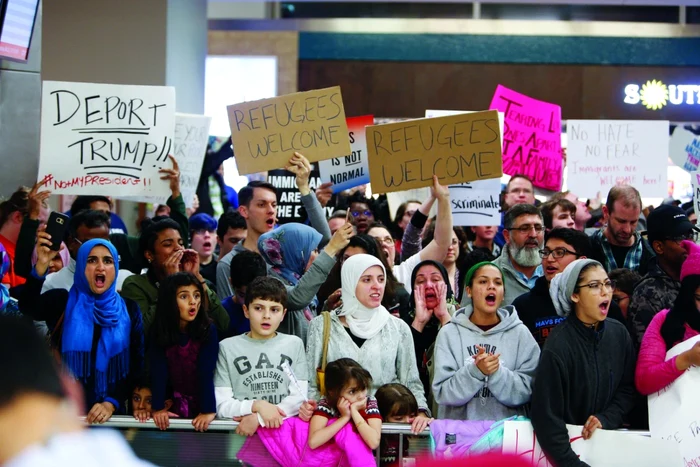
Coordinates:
<point>266,133</point>
<point>476,203</point>
<point>349,171</point>
<point>189,149</point>
<point>605,153</point>
<point>289,205</point>
<point>674,412</point>
<point>447,113</point>
<point>459,148</point>
<point>105,139</point>
<point>532,137</point>
<point>684,149</point>
<point>604,449</point>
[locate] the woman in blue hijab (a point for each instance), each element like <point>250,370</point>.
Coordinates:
<point>98,334</point>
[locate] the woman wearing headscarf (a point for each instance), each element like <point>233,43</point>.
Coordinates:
<point>586,372</point>
<point>292,252</point>
<point>431,307</point>
<point>98,334</point>
<point>671,327</point>
<point>396,298</point>
<point>362,329</point>
<point>485,358</point>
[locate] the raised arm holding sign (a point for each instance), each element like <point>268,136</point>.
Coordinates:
<point>459,148</point>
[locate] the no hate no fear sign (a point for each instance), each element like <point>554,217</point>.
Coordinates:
<point>106,139</point>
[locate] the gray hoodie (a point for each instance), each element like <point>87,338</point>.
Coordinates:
<point>462,391</point>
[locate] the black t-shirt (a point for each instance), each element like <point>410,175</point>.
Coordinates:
<point>620,254</point>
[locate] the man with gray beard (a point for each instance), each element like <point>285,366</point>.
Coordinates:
<point>520,258</point>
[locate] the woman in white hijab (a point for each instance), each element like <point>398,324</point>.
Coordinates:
<point>362,329</point>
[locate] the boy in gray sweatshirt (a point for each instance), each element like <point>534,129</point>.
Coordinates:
<point>462,391</point>
<point>251,384</point>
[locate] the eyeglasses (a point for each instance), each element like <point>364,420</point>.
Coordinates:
<point>692,236</point>
<point>556,253</point>
<point>203,231</point>
<point>524,229</point>
<point>358,213</point>
<point>385,240</point>
<point>625,297</point>
<point>596,287</point>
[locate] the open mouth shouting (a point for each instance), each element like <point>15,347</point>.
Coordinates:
<point>270,222</point>
<point>192,312</point>
<point>266,326</point>
<point>207,245</point>
<point>100,281</point>
<point>604,306</point>
<point>491,300</point>
<point>551,270</point>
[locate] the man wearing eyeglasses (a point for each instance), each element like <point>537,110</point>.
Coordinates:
<point>535,308</point>
<point>519,190</point>
<point>667,226</point>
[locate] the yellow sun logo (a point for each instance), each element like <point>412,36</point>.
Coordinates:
<point>654,94</point>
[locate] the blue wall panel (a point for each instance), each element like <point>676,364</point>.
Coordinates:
<point>500,49</point>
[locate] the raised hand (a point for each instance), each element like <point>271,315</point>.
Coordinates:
<point>437,190</point>
<point>422,314</point>
<point>36,200</point>
<point>324,193</point>
<point>173,176</point>
<point>301,167</point>
<point>340,239</point>
<point>440,311</point>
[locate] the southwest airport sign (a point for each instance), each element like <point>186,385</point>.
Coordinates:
<point>654,95</point>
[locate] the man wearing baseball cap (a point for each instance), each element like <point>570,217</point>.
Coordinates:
<point>667,227</point>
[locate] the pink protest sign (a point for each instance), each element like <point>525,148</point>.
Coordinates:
<point>531,137</point>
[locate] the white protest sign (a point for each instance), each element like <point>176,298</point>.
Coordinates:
<point>397,198</point>
<point>674,412</point>
<point>105,139</point>
<point>684,149</point>
<point>604,449</point>
<point>605,153</point>
<point>476,203</point>
<point>352,170</point>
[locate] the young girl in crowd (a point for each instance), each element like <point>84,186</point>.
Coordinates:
<point>669,328</point>
<point>586,373</point>
<point>396,405</point>
<point>346,400</point>
<point>184,350</point>
<point>485,358</point>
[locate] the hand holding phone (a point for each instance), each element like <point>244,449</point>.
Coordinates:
<point>56,227</point>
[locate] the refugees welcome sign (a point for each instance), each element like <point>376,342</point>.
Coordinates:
<point>458,148</point>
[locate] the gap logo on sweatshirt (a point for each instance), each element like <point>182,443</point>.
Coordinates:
<point>263,379</point>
